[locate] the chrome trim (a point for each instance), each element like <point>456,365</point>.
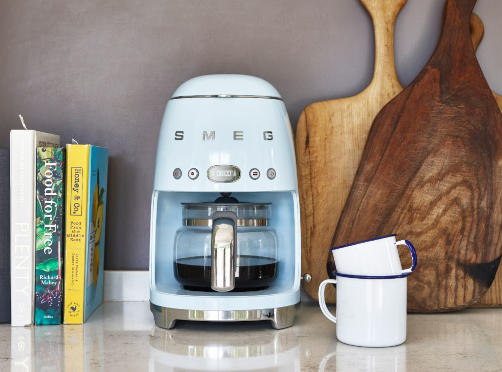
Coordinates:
<point>241,222</point>
<point>165,317</point>
<point>227,96</point>
<point>223,257</point>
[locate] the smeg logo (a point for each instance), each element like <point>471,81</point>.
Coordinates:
<point>210,135</point>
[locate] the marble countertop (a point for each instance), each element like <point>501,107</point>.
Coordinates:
<point>121,336</point>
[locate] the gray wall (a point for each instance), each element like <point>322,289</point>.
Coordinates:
<point>101,72</point>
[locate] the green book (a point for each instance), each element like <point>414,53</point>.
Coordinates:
<point>49,235</point>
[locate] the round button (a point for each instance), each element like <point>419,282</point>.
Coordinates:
<point>193,173</point>
<point>271,173</point>
<point>177,173</point>
<point>254,173</point>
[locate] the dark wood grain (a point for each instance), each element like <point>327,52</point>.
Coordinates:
<point>431,171</point>
<point>493,297</point>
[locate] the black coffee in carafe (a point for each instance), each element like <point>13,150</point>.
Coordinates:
<point>254,272</point>
<point>216,233</point>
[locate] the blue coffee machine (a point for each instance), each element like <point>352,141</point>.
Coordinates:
<point>225,221</point>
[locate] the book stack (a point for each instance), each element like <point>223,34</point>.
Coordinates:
<point>58,205</point>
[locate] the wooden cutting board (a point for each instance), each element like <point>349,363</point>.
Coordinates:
<point>493,297</point>
<point>330,138</point>
<point>477,30</point>
<point>431,172</point>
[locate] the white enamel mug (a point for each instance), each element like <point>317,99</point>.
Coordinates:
<point>377,256</point>
<point>370,310</point>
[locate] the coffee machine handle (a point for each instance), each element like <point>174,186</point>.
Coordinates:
<point>223,252</point>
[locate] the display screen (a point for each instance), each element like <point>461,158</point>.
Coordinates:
<point>223,173</point>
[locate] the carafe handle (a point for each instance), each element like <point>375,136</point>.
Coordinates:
<point>223,252</point>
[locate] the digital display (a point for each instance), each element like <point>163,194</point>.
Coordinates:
<point>223,173</point>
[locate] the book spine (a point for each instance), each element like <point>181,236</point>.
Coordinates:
<point>77,178</point>
<point>49,234</point>
<point>22,176</point>
<point>96,212</point>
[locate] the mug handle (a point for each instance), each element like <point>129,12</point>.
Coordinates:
<point>322,302</point>
<point>413,255</point>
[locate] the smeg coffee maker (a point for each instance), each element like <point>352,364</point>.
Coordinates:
<point>225,228</point>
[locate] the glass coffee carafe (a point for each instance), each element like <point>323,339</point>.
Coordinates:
<point>225,246</point>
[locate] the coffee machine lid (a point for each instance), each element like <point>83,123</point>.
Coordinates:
<point>226,86</point>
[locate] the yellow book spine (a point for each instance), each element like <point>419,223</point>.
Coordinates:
<point>77,178</point>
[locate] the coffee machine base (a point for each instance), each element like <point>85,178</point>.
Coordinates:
<point>165,317</point>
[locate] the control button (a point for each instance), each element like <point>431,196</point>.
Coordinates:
<point>193,173</point>
<point>254,174</point>
<point>271,173</point>
<point>177,173</point>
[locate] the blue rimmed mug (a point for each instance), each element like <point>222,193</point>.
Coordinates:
<point>378,256</point>
<point>370,309</point>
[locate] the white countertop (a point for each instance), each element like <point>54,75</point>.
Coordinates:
<point>121,336</point>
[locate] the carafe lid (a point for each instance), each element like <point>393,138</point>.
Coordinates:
<point>247,214</point>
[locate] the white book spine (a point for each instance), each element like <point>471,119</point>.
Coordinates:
<point>23,145</point>
<point>22,216</point>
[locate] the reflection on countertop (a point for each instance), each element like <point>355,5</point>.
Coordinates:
<point>121,336</point>
<point>200,350</point>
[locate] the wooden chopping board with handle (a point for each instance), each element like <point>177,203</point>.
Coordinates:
<point>330,138</point>
<point>431,172</point>
<point>477,30</point>
<point>493,297</point>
